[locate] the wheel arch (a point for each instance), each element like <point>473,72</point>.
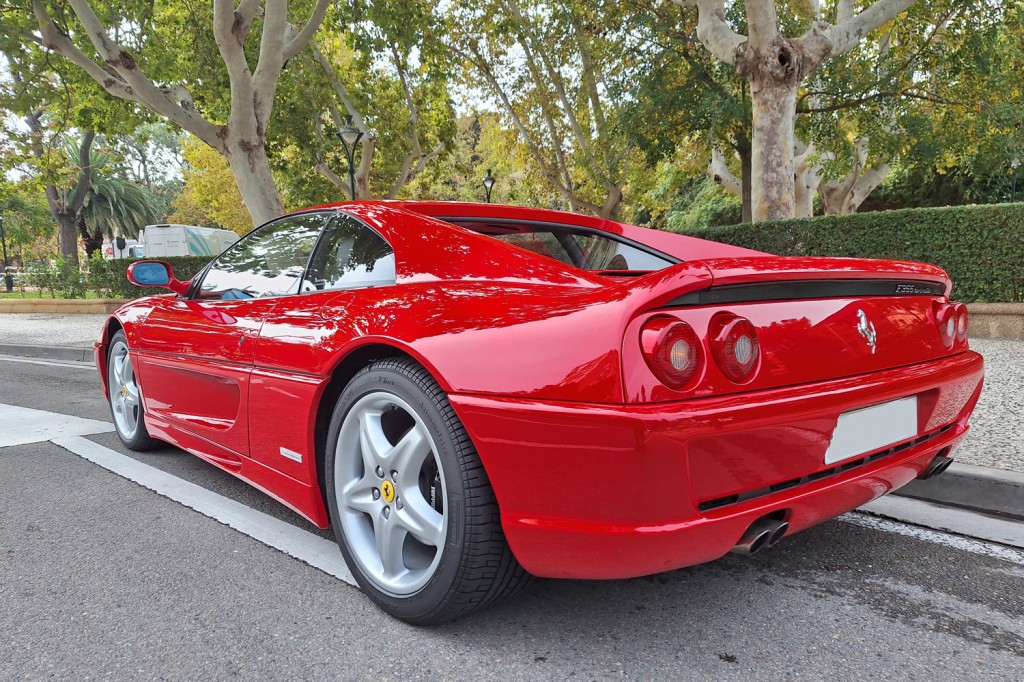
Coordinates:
<point>346,366</point>
<point>110,327</point>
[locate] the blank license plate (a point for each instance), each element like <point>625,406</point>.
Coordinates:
<point>872,428</point>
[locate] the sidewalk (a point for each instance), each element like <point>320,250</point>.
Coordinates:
<point>988,474</point>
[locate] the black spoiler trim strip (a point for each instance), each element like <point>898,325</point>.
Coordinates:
<point>806,290</point>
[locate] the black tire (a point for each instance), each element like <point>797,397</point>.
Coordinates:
<point>130,424</point>
<point>473,566</point>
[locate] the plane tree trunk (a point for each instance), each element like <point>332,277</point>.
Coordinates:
<point>775,65</point>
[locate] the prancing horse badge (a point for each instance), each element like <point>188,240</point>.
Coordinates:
<point>867,330</point>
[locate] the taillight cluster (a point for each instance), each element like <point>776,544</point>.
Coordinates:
<point>672,351</point>
<point>951,319</point>
<point>675,354</point>
<point>734,344</point>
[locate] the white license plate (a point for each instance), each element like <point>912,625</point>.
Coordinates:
<point>872,428</point>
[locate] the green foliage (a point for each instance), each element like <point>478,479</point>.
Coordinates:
<point>28,227</point>
<point>483,143</point>
<point>683,203</point>
<point>981,247</point>
<point>107,276</point>
<point>60,277</point>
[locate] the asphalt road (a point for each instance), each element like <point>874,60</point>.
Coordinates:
<point>103,578</point>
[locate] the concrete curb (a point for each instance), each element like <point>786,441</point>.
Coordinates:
<point>48,352</point>
<point>993,491</point>
<point>59,305</point>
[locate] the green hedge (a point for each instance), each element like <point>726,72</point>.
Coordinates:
<point>981,247</point>
<point>109,278</point>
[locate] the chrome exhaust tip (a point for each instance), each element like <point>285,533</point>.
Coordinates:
<point>936,466</point>
<point>762,534</point>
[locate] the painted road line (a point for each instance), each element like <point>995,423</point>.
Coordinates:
<point>52,363</point>
<point>22,425</point>
<point>302,545</point>
<point>989,549</point>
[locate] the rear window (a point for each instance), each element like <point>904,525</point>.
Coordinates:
<point>581,248</point>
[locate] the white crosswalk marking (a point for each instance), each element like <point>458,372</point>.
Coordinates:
<point>21,426</point>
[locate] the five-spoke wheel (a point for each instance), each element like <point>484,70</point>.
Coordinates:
<point>391,491</point>
<point>411,505</point>
<point>126,396</point>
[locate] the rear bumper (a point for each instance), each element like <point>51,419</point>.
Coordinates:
<point>614,491</point>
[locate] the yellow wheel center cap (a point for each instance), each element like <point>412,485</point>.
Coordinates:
<point>124,391</point>
<point>387,491</point>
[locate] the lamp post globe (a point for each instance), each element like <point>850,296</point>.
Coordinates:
<point>350,135</point>
<point>488,183</point>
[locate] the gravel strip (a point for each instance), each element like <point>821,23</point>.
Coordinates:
<point>996,438</point>
<point>51,329</point>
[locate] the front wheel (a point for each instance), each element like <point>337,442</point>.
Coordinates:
<point>411,505</point>
<point>126,397</point>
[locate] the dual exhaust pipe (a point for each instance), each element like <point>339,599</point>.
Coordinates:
<point>767,532</point>
<point>937,465</point>
<point>763,533</point>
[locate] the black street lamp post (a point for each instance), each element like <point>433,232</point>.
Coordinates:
<point>489,184</point>
<point>8,277</point>
<point>350,136</point>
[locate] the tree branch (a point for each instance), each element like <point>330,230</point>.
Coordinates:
<point>824,40</point>
<point>134,85</point>
<point>52,39</point>
<point>713,32</point>
<point>74,204</point>
<point>306,33</point>
<point>244,14</point>
<point>762,23</point>
<point>339,88</point>
<point>718,171</point>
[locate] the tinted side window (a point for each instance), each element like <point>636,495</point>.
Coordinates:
<point>350,256</point>
<point>585,250</point>
<point>268,262</point>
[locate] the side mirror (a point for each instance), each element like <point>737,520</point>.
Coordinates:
<point>155,273</point>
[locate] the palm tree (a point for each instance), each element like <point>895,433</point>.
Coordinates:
<point>113,206</point>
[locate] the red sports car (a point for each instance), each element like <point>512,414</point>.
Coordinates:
<point>472,394</point>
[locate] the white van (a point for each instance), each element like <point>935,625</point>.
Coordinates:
<point>184,240</point>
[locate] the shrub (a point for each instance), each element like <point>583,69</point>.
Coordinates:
<point>57,278</point>
<point>704,204</point>
<point>981,247</point>
<point>108,277</point>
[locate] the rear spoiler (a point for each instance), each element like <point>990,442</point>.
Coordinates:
<point>736,280</point>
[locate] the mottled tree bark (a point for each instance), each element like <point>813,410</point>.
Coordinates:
<point>775,66</point>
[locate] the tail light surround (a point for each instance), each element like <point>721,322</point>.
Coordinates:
<point>961,322</point>
<point>946,321</point>
<point>672,350</point>
<point>734,345</point>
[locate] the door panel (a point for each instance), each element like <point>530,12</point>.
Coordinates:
<point>195,358</point>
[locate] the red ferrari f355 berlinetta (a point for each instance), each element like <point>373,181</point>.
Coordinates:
<point>473,394</point>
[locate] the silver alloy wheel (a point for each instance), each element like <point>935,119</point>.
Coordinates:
<point>125,395</point>
<point>391,493</point>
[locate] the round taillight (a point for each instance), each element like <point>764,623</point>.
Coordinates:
<point>961,322</point>
<point>734,345</point>
<point>945,319</point>
<point>672,351</point>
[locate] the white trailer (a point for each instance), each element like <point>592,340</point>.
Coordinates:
<point>184,240</point>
